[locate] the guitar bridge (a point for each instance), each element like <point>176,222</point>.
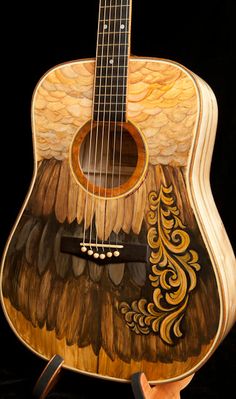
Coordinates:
<point>105,253</point>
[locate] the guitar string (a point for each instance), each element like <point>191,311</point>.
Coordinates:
<point>98,119</point>
<point>101,58</point>
<point>127,22</point>
<point>110,112</point>
<point>90,138</point>
<point>116,108</point>
<point>104,121</point>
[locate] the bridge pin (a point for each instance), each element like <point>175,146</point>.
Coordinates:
<point>96,255</point>
<point>90,252</point>
<point>116,254</point>
<point>102,256</point>
<point>109,254</point>
<point>83,249</point>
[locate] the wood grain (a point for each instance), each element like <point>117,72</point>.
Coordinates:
<point>75,311</point>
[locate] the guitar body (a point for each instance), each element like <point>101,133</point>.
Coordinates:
<point>164,315</point>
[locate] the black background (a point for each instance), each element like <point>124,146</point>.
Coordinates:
<point>199,35</point>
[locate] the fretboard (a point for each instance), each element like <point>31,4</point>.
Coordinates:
<point>112,59</point>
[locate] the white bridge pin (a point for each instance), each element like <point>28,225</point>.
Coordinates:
<point>96,255</point>
<point>116,254</point>
<point>109,254</point>
<point>102,256</point>
<point>83,249</point>
<point>90,252</point>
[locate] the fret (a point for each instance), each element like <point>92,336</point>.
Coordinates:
<point>110,3</point>
<point>126,19</point>
<point>114,13</point>
<point>110,47</point>
<point>109,98</point>
<point>109,109</point>
<point>108,90</point>
<point>110,116</point>
<point>115,56</point>
<point>110,80</point>
<point>114,69</point>
<point>112,24</point>
<point>104,63</point>
<point>112,52</point>
<point>119,76</point>
<point>113,44</point>
<point>117,6</point>
<point>113,38</point>
<point>120,5</point>
<point>109,104</point>
<point>113,31</point>
<point>113,87</point>
<point>113,82</point>
<point>116,73</point>
<point>118,59</point>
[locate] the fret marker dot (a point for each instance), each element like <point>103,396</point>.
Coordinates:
<point>111,61</point>
<point>105,26</point>
<point>122,26</point>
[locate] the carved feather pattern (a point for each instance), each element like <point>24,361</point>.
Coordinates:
<point>78,299</point>
<point>70,202</point>
<point>162,101</point>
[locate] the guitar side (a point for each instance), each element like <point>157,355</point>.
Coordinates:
<point>114,321</point>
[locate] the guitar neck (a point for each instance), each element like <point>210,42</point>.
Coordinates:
<point>112,58</point>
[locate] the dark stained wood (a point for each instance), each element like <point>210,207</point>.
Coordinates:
<point>135,252</point>
<point>112,61</point>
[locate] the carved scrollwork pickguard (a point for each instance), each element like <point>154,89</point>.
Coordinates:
<point>173,272</point>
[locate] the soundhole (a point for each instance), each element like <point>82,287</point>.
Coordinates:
<point>109,159</point>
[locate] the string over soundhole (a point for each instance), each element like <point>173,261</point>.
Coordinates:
<point>109,159</point>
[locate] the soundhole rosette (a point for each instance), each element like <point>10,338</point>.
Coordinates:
<point>109,159</point>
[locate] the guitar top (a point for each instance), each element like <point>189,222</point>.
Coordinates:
<point>118,261</point>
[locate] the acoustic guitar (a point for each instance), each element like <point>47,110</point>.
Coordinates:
<point>118,261</point>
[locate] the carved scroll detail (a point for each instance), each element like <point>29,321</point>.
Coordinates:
<point>174,266</point>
